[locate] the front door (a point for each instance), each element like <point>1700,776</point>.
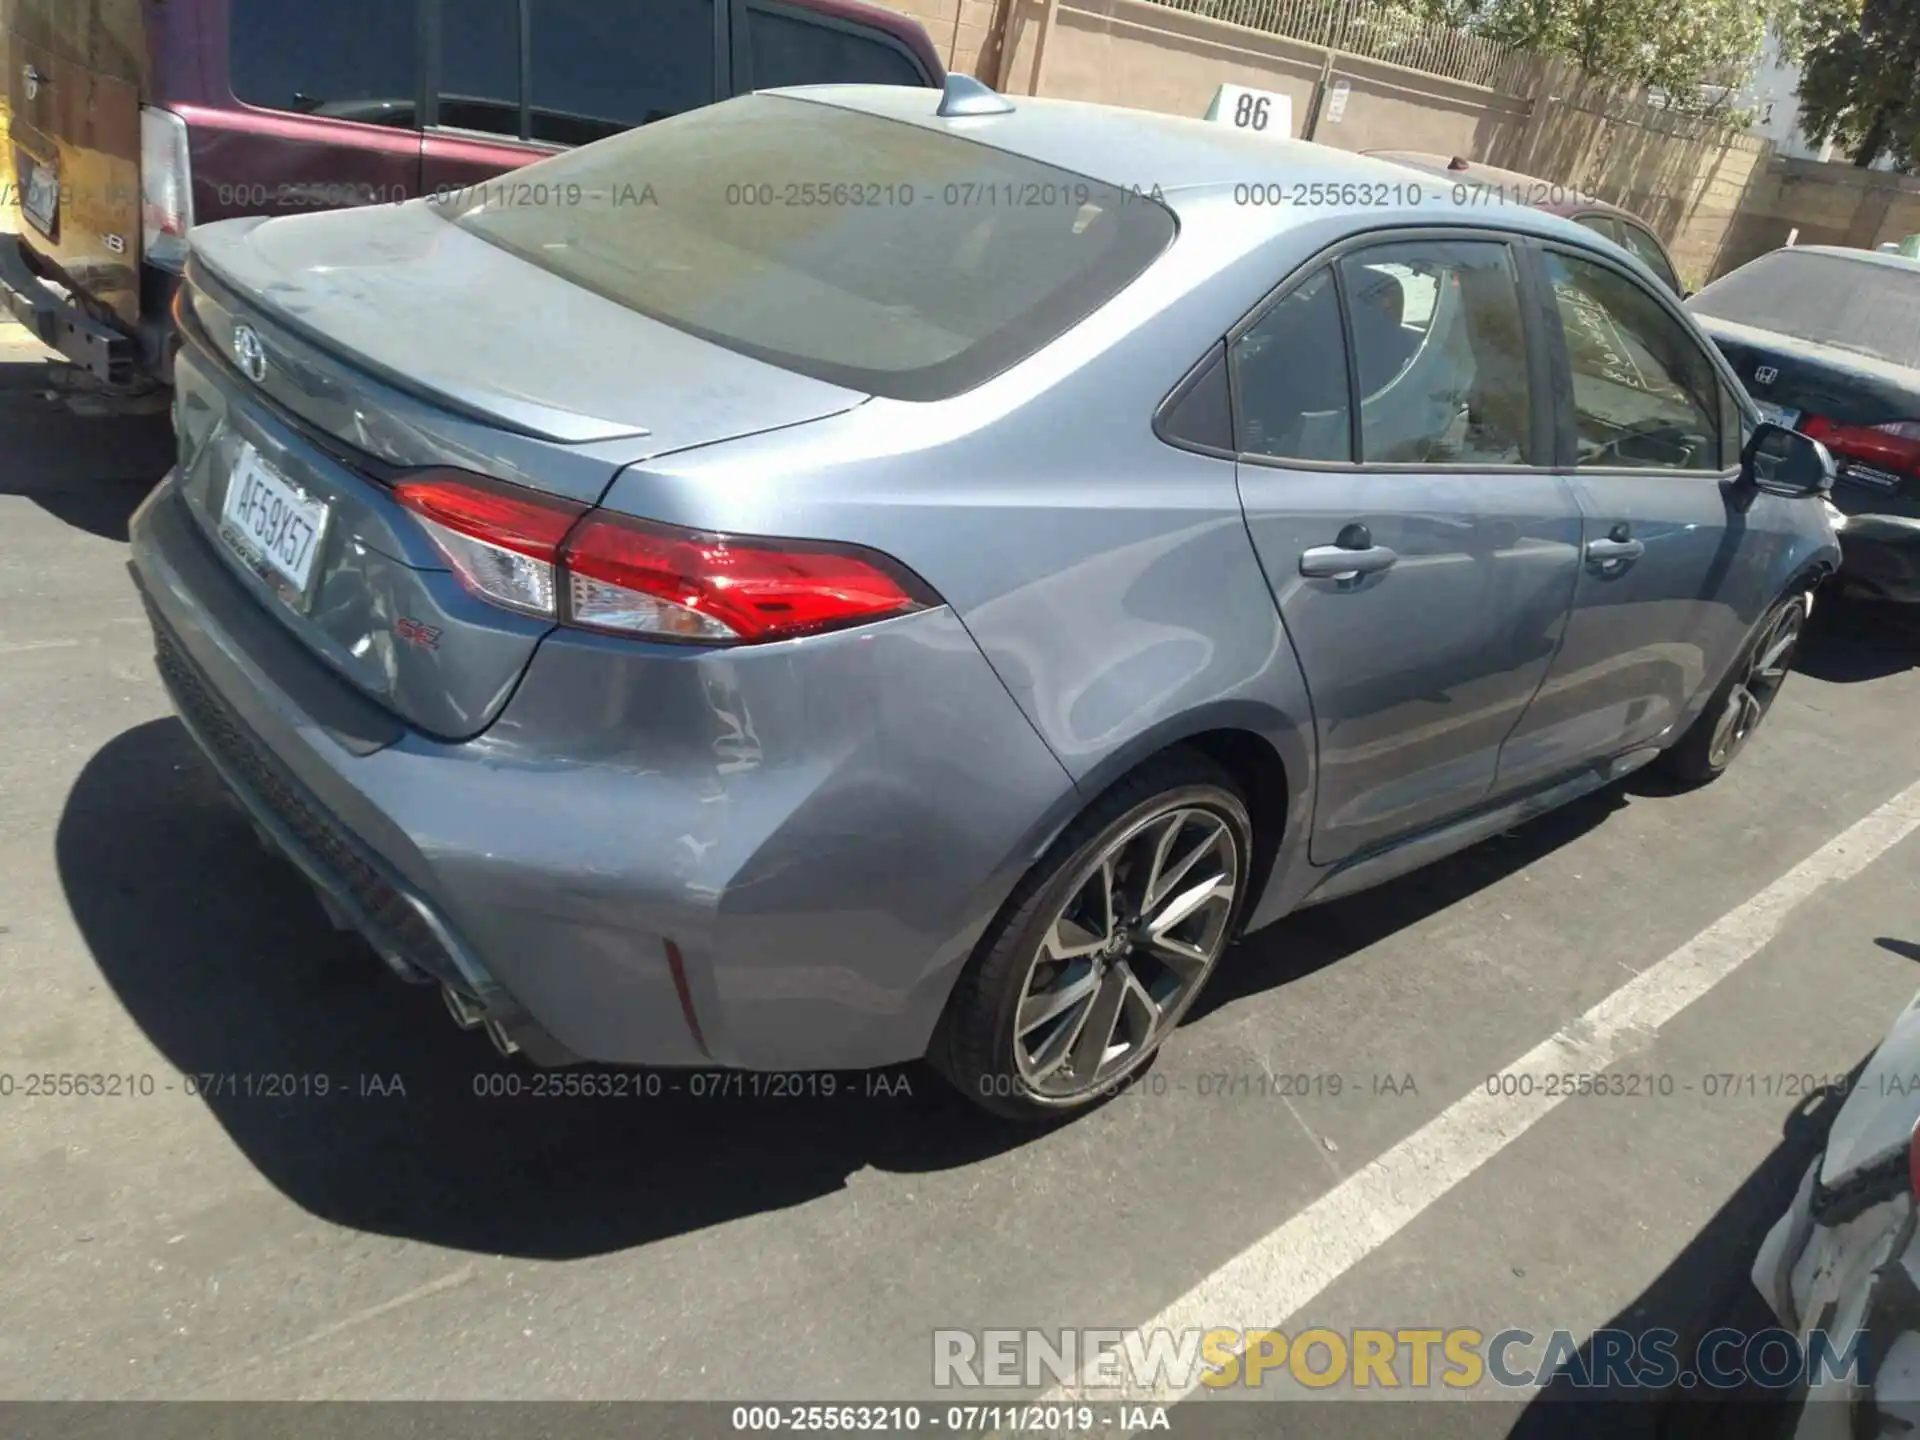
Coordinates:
<point>1422,555</point>
<point>1669,576</point>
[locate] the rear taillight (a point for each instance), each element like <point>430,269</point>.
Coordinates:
<point>502,541</point>
<point>1893,447</point>
<point>166,187</point>
<point>536,554</point>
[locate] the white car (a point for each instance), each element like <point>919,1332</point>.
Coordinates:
<point>1843,1259</point>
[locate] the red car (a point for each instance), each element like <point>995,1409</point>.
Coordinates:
<point>131,121</point>
<point>1489,185</point>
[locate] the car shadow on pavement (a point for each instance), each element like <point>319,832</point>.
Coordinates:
<point>1850,640</point>
<point>1708,1286</point>
<point>1311,939</point>
<point>222,955</point>
<point>89,470</point>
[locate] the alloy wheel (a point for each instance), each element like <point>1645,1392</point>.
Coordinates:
<point>1752,695</point>
<point>1140,929</point>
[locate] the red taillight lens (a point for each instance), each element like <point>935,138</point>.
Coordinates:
<point>500,539</point>
<point>1893,447</point>
<point>534,553</point>
<point>643,578</point>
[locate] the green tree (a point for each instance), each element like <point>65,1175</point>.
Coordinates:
<point>1676,45</point>
<point>1860,78</point>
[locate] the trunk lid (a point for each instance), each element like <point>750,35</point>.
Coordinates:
<point>76,74</point>
<point>1786,374</point>
<point>332,352</point>
<point>427,307</point>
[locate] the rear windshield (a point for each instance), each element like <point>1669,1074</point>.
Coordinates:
<point>869,253</point>
<point>1866,306</point>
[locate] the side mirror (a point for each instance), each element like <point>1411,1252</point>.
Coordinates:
<point>1785,462</point>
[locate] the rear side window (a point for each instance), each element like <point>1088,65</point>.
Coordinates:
<point>1441,354</point>
<point>1649,253</point>
<point>1600,225</point>
<point>1645,395</point>
<point>858,250</point>
<point>346,59</point>
<point>789,48</point>
<point>1290,377</point>
<point>480,67</point>
<point>603,66</point>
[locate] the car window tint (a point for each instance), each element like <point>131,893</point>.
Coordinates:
<point>1441,351</point>
<point>1648,250</point>
<point>1645,395</point>
<point>903,283</point>
<point>788,49</point>
<point>1600,225</point>
<point>480,66</point>
<point>603,66</point>
<point>1290,375</point>
<point>350,60</point>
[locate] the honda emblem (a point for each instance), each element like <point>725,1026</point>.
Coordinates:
<point>1765,375</point>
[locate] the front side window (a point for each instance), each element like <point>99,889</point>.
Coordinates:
<point>346,60</point>
<point>900,282</point>
<point>1440,349</point>
<point>789,48</point>
<point>1645,395</point>
<point>1290,378</point>
<point>603,66</point>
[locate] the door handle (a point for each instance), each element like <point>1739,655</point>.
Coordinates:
<point>1607,552</point>
<point>1337,562</point>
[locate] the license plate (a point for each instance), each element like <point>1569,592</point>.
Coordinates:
<point>1777,414</point>
<point>41,203</point>
<point>273,525</point>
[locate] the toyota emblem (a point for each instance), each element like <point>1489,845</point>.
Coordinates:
<point>250,353</point>
<point>32,79</point>
<point>1765,375</point>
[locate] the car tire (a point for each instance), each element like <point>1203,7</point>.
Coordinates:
<point>1119,925</point>
<point>1741,701</point>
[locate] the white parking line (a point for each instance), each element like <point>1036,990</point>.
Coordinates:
<point>1278,1275</point>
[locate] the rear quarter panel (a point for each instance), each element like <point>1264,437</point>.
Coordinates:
<point>1107,577</point>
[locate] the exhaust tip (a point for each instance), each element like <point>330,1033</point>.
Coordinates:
<point>502,1041</point>
<point>467,1012</point>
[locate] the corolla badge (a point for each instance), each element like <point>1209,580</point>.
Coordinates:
<point>249,353</point>
<point>1765,375</point>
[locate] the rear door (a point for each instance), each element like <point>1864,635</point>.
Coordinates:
<point>1670,575</point>
<point>330,110</point>
<point>76,74</point>
<point>515,80</point>
<point>1395,441</point>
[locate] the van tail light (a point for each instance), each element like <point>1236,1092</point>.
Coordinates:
<point>166,187</point>
<point>1893,447</point>
<point>538,555</point>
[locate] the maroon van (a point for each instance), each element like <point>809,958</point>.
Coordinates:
<point>132,119</point>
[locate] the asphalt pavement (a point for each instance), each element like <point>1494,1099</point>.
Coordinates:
<point>220,1228</point>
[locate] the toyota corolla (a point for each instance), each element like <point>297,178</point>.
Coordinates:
<point>861,573</point>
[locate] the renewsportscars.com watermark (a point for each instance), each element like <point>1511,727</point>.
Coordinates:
<point>1174,1362</point>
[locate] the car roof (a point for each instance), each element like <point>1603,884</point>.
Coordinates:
<point>1557,199</point>
<point>1187,162</point>
<point>1886,258</point>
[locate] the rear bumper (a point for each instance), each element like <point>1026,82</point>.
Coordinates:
<point>818,859</point>
<point>109,354</point>
<point>1881,557</point>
